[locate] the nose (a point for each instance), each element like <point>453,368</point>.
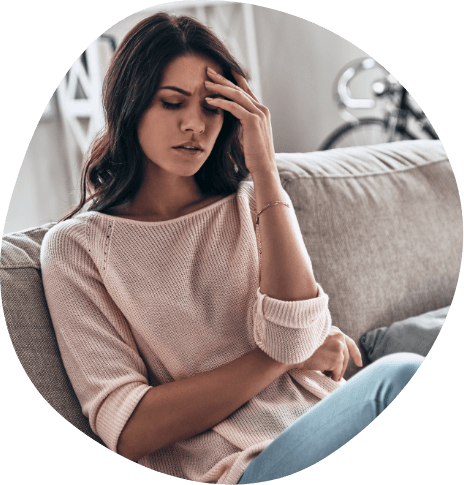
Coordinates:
<point>193,120</point>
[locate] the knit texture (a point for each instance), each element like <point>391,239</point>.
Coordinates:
<point>139,304</point>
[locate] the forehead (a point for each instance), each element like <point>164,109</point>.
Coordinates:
<point>188,70</point>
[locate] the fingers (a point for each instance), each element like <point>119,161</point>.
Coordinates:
<point>236,109</point>
<point>242,83</point>
<point>217,78</point>
<point>233,94</point>
<point>346,359</point>
<point>238,97</point>
<point>354,351</point>
<point>349,348</point>
<point>342,347</point>
<point>223,86</point>
<point>338,366</point>
<point>333,356</point>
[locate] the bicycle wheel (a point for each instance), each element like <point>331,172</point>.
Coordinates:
<point>366,131</point>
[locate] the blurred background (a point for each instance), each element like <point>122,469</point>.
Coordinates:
<point>315,84</point>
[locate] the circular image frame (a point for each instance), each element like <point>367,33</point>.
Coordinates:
<point>53,445</point>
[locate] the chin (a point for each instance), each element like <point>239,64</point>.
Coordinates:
<point>181,168</point>
<point>186,171</point>
<point>190,173</point>
<point>187,168</point>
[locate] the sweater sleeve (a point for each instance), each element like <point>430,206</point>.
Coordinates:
<point>291,331</point>
<point>96,344</point>
<point>288,331</point>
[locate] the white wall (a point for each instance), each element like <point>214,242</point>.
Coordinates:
<point>42,192</point>
<point>298,62</point>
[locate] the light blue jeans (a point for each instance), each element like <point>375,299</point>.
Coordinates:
<point>334,420</point>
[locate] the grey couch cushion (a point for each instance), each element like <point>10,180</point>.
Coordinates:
<point>383,227</point>
<point>415,334</point>
<point>30,326</point>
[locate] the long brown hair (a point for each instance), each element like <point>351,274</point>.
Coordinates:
<point>115,167</point>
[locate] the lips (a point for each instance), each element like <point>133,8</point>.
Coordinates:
<point>194,147</point>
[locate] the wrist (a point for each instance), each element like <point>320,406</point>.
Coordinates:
<point>298,366</point>
<point>265,175</point>
<point>272,364</point>
<point>268,188</point>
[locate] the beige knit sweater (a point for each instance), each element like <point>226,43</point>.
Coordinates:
<point>138,304</point>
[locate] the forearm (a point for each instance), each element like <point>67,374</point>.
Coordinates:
<point>179,410</point>
<point>285,266</point>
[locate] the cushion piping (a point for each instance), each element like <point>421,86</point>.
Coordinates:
<point>285,171</point>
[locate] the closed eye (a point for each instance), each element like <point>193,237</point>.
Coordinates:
<point>171,105</point>
<point>214,111</point>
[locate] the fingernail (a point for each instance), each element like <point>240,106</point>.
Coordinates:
<point>209,82</point>
<point>212,70</point>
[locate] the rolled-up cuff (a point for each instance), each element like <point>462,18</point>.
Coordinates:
<point>116,411</point>
<point>293,314</point>
<point>290,331</point>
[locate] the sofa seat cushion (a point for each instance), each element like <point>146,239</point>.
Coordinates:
<point>383,227</point>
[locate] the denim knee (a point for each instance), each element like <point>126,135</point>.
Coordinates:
<point>401,365</point>
<point>393,372</point>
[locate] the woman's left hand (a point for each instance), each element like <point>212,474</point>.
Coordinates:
<point>332,357</point>
<point>255,119</point>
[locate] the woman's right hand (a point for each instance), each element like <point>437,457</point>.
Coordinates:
<point>333,355</point>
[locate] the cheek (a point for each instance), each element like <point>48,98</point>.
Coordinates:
<point>216,124</point>
<point>143,128</point>
<point>150,128</point>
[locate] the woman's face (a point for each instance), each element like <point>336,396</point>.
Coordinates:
<point>178,131</point>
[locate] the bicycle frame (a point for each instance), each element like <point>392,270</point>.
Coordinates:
<point>397,119</point>
<point>400,109</point>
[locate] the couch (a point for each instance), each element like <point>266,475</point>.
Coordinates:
<point>382,224</point>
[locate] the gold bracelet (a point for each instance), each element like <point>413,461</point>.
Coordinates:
<point>258,236</point>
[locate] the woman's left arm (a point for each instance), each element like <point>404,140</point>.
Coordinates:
<point>292,324</point>
<point>286,272</point>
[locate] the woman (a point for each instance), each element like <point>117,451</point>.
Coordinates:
<point>194,347</point>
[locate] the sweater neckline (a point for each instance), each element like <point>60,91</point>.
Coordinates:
<point>170,221</point>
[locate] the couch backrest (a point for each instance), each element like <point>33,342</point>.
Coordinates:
<point>383,228</point>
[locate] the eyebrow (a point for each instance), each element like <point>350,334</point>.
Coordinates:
<point>186,93</point>
<point>179,90</point>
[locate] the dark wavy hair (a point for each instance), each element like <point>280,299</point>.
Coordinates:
<point>115,167</point>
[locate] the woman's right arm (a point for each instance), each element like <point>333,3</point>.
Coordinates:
<point>179,410</point>
<point>197,403</point>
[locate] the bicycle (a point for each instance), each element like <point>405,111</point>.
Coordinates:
<point>401,115</point>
